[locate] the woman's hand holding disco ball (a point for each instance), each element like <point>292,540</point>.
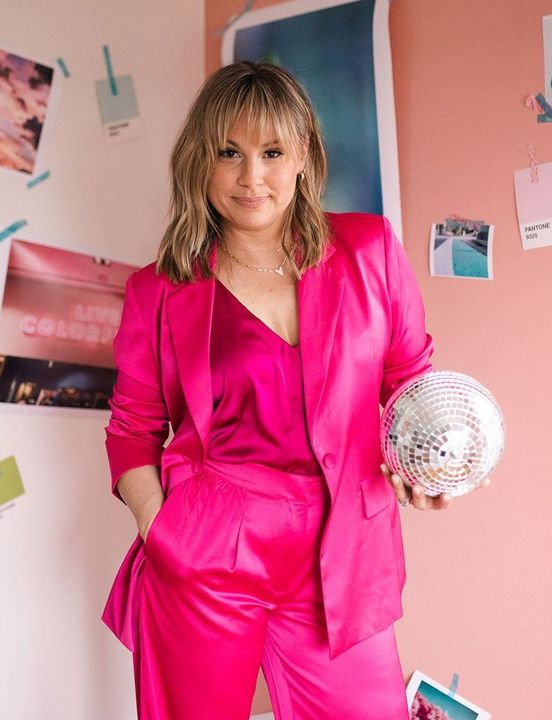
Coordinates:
<point>442,434</point>
<point>416,496</point>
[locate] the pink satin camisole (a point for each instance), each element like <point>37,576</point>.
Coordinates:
<point>258,402</point>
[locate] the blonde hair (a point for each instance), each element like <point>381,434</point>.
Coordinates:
<point>267,97</point>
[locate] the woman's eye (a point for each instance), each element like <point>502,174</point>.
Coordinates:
<point>230,153</point>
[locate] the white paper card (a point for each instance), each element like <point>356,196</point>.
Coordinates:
<point>547,42</point>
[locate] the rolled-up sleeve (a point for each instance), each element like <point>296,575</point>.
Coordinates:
<point>410,346</point>
<point>139,423</point>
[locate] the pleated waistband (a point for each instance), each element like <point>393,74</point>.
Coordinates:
<point>269,481</point>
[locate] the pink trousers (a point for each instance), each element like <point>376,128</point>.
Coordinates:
<point>231,583</point>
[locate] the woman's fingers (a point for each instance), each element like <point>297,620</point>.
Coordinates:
<point>402,493</point>
<point>415,496</point>
<point>419,499</point>
<point>441,502</point>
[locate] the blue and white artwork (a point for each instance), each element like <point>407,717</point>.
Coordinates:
<point>340,54</point>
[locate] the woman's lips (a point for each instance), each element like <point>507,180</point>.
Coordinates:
<point>250,202</point>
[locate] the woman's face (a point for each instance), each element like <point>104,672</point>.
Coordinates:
<point>253,183</point>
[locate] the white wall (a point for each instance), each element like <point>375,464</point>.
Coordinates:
<point>63,541</point>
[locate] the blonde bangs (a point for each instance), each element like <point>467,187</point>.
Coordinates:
<point>263,116</point>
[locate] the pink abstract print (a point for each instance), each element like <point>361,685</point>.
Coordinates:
<point>24,92</point>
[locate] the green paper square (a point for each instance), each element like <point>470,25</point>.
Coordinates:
<point>11,485</point>
<point>122,106</point>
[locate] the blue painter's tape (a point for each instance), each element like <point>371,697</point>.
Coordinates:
<point>546,108</point>
<point>63,66</point>
<point>109,68</point>
<point>11,229</point>
<point>453,687</point>
<point>38,179</point>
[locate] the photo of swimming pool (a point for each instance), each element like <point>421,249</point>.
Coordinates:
<point>461,249</point>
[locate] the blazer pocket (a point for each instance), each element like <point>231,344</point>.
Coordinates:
<point>374,497</point>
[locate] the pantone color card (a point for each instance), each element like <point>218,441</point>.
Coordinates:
<point>11,485</point>
<point>118,108</point>
<point>534,205</point>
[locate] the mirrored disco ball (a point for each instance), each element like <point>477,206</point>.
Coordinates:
<point>442,430</point>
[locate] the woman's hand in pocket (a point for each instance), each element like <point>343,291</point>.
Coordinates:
<point>141,490</point>
<point>147,517</point>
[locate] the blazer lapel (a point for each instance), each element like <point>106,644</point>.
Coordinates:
<point>190,311</point>
<point>319,292</point>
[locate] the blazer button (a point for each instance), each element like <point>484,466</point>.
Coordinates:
<point>328,460</point>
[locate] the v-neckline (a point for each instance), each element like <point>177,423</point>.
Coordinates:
<point>262,322</point>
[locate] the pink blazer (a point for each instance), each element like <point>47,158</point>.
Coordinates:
<point>362,334</point>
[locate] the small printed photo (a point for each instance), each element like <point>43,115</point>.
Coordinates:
<point>429,700</point>
<point>60,310</point>
<point>25,94</point>
<point>461,248</point>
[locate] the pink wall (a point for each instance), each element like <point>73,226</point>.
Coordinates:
<point>478,598</point>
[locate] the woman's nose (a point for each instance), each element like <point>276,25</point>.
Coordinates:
<point>250,173</point>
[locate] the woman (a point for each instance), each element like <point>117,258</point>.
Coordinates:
<point>267,334</point>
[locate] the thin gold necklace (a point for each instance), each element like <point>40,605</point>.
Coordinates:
<point>278,271</point>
